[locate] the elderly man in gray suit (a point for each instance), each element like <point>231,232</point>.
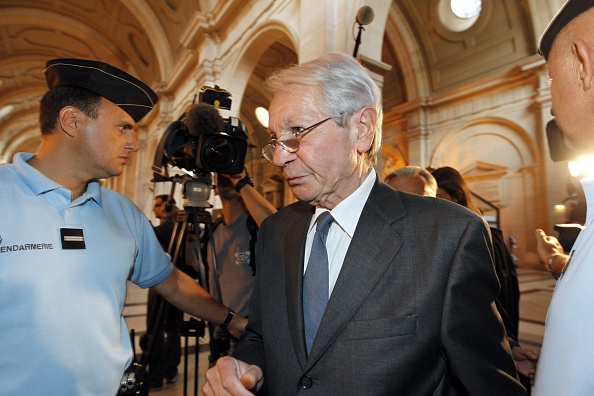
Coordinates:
<point>403,304</point>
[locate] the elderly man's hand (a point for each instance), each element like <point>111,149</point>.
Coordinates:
<point>230,376</point>
<point>526,360</point>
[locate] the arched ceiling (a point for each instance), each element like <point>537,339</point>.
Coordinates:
<point>147,37</point>
<point>143,37</point>
<point>34,31</point>
<point>278,55</point>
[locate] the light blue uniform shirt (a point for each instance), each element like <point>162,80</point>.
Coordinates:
<point>565,362</point>
<point>61,326</point>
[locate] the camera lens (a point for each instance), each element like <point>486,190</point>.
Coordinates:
<point>218,153</point>
<point>221,153</point>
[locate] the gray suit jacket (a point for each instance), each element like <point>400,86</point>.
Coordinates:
<point>412,311</point>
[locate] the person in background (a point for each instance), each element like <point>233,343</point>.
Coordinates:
<point>452,187</point>
<point>68,246</point>
<point>414,180</point>
<point>162,342</point>
<point>361,289</point>
<point>165,211</point>
<point>234,237</point>
<point>565,364</point>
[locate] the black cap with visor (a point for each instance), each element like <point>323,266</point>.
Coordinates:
<point>129,93</point>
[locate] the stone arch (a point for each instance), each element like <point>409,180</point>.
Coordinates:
<point>498,159</point>
<point>409,53</point>
<point>252,50</point>
<point>155,34</point>
<point>272,45</point>
<point>262,52</point>
<point>407,84</point>
<point>499,132</point>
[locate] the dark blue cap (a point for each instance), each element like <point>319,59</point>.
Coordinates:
<point>129,93</point>
<point>570,10</point>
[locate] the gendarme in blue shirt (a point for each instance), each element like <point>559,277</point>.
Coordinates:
<point>61,326</point>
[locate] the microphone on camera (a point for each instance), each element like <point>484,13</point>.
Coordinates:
<point>203,118</point>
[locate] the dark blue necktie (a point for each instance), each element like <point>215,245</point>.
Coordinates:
<point>315,283</point>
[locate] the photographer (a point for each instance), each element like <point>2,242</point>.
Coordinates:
<point>234,235</point>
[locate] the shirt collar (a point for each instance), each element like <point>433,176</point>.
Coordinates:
<point>39,184</point>
<point>346,214</point>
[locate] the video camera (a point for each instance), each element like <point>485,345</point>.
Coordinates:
<point>202,141</point>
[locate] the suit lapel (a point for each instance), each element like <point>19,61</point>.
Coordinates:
<point>294,252</point>
<point>372,250</point>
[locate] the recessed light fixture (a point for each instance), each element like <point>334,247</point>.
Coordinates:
<point>262,116</point>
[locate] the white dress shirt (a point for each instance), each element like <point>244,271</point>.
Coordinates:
<point>346,216</point>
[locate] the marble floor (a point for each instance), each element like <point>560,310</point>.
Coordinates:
<point>536,287</point>
<point>536,290</point>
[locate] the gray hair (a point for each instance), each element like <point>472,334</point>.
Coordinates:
<point>414,171</point>
<point>344,87</point>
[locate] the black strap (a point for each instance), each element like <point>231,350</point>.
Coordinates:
<point>242,182</point>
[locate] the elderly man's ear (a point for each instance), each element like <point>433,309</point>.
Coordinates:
<point>366,129</point>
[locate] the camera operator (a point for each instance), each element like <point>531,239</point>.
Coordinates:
<point>234,235</point>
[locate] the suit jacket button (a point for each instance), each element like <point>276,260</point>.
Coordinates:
<point>306,382</point>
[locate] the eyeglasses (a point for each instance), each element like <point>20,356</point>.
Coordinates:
<point>289,141</point>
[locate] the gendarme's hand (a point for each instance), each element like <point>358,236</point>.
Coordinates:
<point>550,252</point>
<point>237,326</point>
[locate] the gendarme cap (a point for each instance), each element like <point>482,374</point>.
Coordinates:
<point>129,93</point>
<point>568,12</point>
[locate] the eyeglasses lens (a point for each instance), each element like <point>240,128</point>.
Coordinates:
<point>289,142</point>
<point>268,152</point>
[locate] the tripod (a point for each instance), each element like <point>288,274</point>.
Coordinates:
<point>186,224</point>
